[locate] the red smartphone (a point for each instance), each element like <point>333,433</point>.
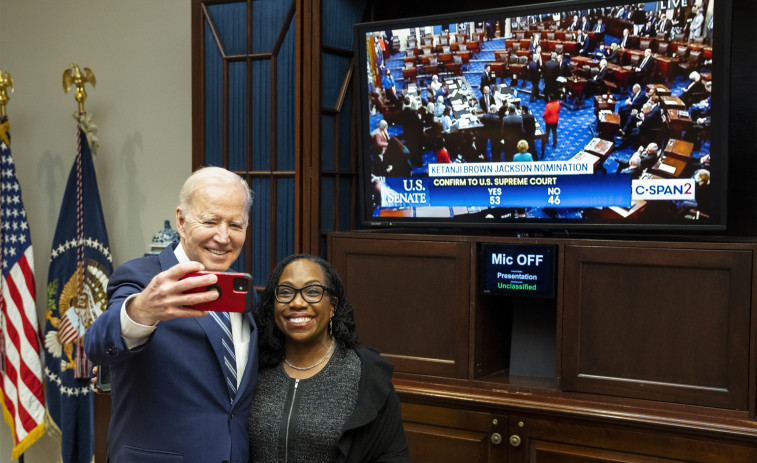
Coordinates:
<point>233,291</point>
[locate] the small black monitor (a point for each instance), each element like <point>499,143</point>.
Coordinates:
<point>518,270</point>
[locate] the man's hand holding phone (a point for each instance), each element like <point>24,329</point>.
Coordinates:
<point>168,295</point>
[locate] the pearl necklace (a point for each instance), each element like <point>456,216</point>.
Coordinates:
<point>323,359</point>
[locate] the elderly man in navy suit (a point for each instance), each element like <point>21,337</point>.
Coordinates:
<point>177,394</point>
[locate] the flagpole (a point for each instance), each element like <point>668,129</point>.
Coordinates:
<point>5,81</point>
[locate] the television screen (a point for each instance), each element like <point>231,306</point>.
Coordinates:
<point>575,115</point>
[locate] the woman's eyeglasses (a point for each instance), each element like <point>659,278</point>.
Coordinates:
<point>311,293</point>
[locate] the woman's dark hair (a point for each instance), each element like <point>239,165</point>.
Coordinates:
<point>271,339</point>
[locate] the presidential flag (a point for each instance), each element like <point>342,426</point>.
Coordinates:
<point>80,264</point>
<point>21,391</point>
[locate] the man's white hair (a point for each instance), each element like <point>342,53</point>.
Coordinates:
<point>211,175</point>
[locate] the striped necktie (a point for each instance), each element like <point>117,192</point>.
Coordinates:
<point>229,358</point>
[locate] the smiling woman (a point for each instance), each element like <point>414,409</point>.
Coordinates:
<point>320,396</point>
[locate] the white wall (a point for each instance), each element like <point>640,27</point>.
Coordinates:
<point>140,52</point>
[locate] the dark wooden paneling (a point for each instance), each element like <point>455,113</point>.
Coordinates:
<point>660,324</point>
<point>550,439</point>
<point>411,301</point>
<point>436,434</point>
<point>102,422</point>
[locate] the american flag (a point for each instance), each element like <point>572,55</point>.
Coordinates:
<point>21,389</point>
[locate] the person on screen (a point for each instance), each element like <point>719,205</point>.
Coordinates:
<point>380,136</point>
<point>645,124</point>
<point>647,30</point>
<point>442,155</point>
<point>487,99</point>
<point>625,40</point>
<point>535,44</point>
<point>551,72</point>
<point>696,25</point>
<point>612,54</point>
<point>439,107</point>
<point>563,65</point>
<point>435,88</point>
<point>641,159</point>
<point>390,88</point>
<point>534,75</point>
<point>638,18</point>
<point>585,24</point>
<point>529,125</point>
<point>397,156</point>
<point>575,25</point>
<point>551,118</point>
<point>512,131</point>
<point>447,120</point>
<point>643,72</point>
<point>664,25</point>
<point>632,105</point>
<point>523,155</point>
<point>695,91</point>
<point>487,78</point>
<point>693,210</point>
<point>596,83</point>
<point>583,44</point>
<point>321,397</point>
<point>599,27</point>
<point>429,117</point>
<point>491,135</point>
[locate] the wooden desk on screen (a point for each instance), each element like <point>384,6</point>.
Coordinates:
<point>666,67</point>
<point>575,86</point>
<point>621,74</point>
<point>678,121</point>
<point>608,124</point>
<point>658,89</point>
<point>596,151</point>
<point>672,102</point>
<point>678,149</point>
<point>669,167</point>
<point>604,103</point>
<point>600,147</point>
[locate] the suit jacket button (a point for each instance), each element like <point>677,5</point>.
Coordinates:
<point>111,350</point>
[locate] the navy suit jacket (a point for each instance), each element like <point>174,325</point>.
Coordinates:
<point>169,398</point>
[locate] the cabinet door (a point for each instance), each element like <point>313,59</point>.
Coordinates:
<point>658,323</point>
<point>411,299</point>
<point>439,435</point>
<point>549,440</point>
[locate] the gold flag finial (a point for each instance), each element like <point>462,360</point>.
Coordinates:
<point>74,76</point>
<point>5,81</point>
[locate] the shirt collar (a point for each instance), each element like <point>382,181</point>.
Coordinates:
<point>180,254</point>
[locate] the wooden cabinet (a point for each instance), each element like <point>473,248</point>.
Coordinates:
<point>551,439</point>
<point>647,352</point>
<point>439,435</point>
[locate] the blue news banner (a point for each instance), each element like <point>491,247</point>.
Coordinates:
<point>541,184</point>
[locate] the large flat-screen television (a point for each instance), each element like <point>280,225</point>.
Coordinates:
<point>574,115</point>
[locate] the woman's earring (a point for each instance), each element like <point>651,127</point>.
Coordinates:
<point>331,327</point>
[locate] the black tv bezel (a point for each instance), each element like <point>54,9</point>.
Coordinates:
<point>721,72</point>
